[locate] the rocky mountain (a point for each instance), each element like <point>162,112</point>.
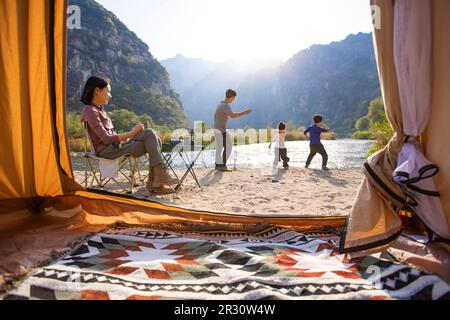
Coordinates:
<point>105,46</point>
<point>337,80</point>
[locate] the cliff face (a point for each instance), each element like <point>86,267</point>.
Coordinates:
<point>337,80</point>
<point>105,46</point>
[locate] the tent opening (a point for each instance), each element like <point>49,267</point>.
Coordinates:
<point>61,240</point>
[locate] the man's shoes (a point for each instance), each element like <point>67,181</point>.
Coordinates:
<point>325,169</point>
<point>307,166</point>
<point>224,169</point>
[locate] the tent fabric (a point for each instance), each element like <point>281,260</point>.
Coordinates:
<point>412,54</point>
<point>37,240</point>
<point>373,222</point>
<point>60,57</point>
<point>435,138</point>
<point>32,62</point>
<point>44,212</point>
<point>433,257</point>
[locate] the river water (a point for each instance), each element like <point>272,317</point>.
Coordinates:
<point>343,154</point>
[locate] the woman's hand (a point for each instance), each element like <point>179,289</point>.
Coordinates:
<point>138,128</point>
<point>131,134</point>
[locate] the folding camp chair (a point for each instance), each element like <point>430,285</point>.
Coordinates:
<point>99,172</point>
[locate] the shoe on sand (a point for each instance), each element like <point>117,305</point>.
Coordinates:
<point>151,177</point>
<point>162,177</point>
<point>162,190</point>
<point>225,169</point>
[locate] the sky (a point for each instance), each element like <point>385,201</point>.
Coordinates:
<point>240,30</point>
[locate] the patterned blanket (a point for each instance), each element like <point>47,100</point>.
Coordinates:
<point>273,264</point>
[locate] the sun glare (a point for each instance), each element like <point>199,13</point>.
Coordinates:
<point>240,30</point>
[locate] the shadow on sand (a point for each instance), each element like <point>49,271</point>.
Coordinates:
<point>211,178</point>
<point>328,175</point>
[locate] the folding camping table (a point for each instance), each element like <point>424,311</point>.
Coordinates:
<point>179,148</point>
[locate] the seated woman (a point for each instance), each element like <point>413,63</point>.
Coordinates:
<point>110,145</point>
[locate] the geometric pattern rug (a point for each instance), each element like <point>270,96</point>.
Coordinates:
<point>139,264</point>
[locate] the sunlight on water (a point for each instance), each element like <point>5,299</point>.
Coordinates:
<point>342,154</point>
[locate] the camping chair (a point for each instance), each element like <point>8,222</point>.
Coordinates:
<point>98,172</point>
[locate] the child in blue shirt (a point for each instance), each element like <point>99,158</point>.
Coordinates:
<point>315,145</point>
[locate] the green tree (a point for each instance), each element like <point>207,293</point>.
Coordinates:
<point>379,124</point>
<point>377,114</point>
<point>145,118</point>
<point>74,125</point>
<point>374,126</point>
<point>124,120</point>
<point>363,124</point>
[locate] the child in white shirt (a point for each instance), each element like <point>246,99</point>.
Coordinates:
<point>280,147</point>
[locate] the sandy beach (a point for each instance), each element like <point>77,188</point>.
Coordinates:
<point>264,190</point>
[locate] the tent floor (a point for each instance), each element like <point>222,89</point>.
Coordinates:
<point>139,262</point>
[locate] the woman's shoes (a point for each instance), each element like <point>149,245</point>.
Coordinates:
<point>161,189</point>
<point>162,177</point>
<point>151,177</point>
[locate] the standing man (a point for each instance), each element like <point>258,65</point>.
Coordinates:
<point>222,137</point>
